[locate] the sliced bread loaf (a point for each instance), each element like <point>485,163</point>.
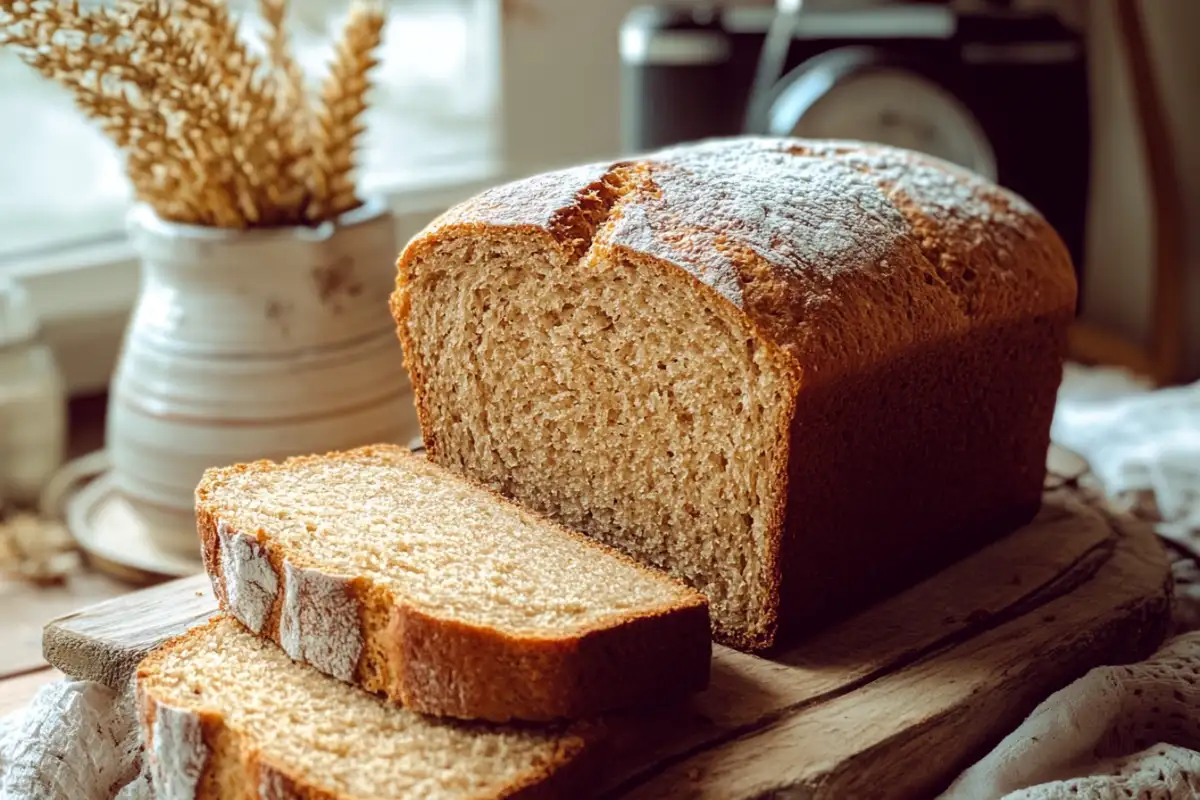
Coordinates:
<point>380,568</point>
<point>797,374</point>
<point>225,714</point>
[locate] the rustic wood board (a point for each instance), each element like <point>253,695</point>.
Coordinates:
<point>892,703</point>
<point>105,642</point>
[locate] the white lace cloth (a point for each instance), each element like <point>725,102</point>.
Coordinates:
<point>1118,732</point>
<point>76,740</point>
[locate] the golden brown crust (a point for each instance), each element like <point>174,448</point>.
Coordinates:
<point>908,503</point>
<point>810,239</point>
<point>476,672</point>
<point>234,767</point>
<point>445,667</point>
<point>848,260</point>
<point>274,782</point>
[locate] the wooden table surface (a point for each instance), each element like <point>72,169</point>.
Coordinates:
<point>26,607</point>
<point>16,692</point>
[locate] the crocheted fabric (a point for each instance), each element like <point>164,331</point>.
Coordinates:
<point>1118,732</point>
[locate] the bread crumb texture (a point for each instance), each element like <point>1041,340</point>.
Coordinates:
<point>627,348</point>
<point>225,711</point>
<point>434,541</point>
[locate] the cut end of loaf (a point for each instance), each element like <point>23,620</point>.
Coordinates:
<point>602,392</point>
<point>222,710</point>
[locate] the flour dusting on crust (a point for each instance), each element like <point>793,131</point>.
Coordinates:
<point>943,190</point>
<point>178,753</point>
<point>637,230</point>
<point>713,205</point>
<point>980,239</point>
<point>319,624</point>
<point>250,582</point>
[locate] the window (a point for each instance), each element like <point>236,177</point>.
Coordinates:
<point>432,121</point>
<point>461,101</point>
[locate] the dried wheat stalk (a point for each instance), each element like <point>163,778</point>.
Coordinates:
<point>339,120</point>
<point>211,134</point>
<point>191,87</point>
<point>293,107</point>
<point>105,84</point>
<point>291,93</point>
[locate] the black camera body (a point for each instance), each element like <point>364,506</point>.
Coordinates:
<point>1000,91</point>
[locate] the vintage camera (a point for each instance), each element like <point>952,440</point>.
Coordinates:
<point>996,88</point>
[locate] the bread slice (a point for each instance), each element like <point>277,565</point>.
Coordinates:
<point>225,715</point>
<point>382,569</point>
<point>797,374</point>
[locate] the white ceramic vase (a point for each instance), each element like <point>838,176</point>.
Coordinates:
<point>252,344</point>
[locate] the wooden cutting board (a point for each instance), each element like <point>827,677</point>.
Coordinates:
<point>890,704</point>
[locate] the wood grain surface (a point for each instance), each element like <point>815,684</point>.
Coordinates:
<point>890,704</point>
<point>909,731</point>
<point>104,642</point>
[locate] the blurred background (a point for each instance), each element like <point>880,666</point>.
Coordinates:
<point>1090,119</point>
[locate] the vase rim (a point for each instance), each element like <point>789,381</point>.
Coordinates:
<point>141,215</point>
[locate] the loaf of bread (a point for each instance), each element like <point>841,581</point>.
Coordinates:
<point>226,715</point>
<point>382,569</point>
<point>797,374</point>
